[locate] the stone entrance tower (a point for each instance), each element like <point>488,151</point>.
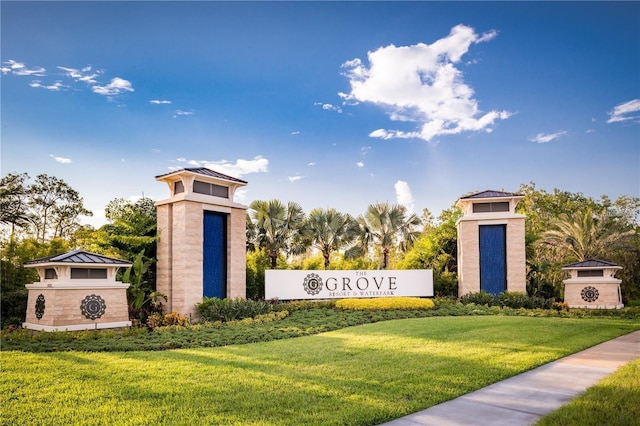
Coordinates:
<point>201,239</point>
<point>491,244</point>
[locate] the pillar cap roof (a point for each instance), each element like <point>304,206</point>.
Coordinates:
<point>491,194</point>
<point>591,264</point>
<point>78,257</point>
<point>204,172</point>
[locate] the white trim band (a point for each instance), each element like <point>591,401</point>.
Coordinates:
<point>76,327</point>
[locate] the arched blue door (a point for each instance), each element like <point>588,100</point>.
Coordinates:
<point>493,258</point>
<point>214,262</point>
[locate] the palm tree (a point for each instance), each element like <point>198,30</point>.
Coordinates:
<point>385,226</point>
<point>276,227</point>
<point>329,230</point>
<point>585,235</point>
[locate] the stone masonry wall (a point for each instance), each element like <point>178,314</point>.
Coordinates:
<point>236,254</point>
<point>62,306</point>
<point>516,256</point>
<point>164,273</point>
<point>608,295</point>
<point>468,258</point>
<point>187,257</point>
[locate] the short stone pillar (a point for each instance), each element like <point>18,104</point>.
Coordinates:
<point>491,244</point>
<point>201,239</point>
<point>592,285</point>
<point>77,291</point>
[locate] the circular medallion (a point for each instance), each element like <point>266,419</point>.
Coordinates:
<point>93,307</point>
<point>589,294</point>
<point>40,306</point>
<point>312,284</point>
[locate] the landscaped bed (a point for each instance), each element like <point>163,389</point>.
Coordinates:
<point>360,375</point>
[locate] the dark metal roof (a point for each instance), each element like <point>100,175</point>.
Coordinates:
<point>79,257</point>
<point>491,194</point>
<point>205,172</point>
<point>591,263</point>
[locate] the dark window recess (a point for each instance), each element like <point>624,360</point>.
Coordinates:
<point>87,273</point>
<point>591,273</point>
<point>178,187</point>
<point>502,206</point>
<point>210,189</point>
<point>50,274</point>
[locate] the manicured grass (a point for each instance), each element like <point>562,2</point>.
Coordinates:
<point>613,401</point>
<point>360,375</point>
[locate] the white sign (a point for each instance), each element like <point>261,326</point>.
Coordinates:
<point>306,284</point>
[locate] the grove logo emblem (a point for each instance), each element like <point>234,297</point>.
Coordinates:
<point>312,284</point>
<point>589,294</point>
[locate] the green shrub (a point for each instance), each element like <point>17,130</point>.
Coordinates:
<point>444,301</point>
<point>535,302</point>
<point>303,305</point>
<point>385,304</point>
<point>14,306</point>
<point>225,310</point>
<point>445,283</point>
<point>159,320</point>
<point>507,299</point>
<point>480,298</point>
<point>510,299</point>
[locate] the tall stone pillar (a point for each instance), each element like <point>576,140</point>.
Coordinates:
<point>201,239</point>
<point>491,244</point>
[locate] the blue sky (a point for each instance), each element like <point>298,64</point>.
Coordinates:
<point>329,104</point>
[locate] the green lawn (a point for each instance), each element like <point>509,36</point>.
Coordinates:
<point>360,375</point>
<point>613,401</point>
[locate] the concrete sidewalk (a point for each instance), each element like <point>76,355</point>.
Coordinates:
<point>523,399</point>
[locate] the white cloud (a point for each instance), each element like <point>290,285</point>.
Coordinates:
<point>329,107</point>
<point>403,195</point>
<point>53,87</point>
<point>238,169</point>
<point>625,111</point>
<point>240,195</point>
<point>380,133</point>
<point>116,87</point>
<point>84,75</point>
<point>360,164</point>
<point>61,159</point>
<point>295,133</point>
<point>181,112</point>
<point>295,178</point>
<point>159,102</point>
<point>544,138</point>
<point>311,164</point>
<point>420,84</point>
<point>18,68</point>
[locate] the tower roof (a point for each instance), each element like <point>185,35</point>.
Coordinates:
<point>591,263</point>
<point>79,257</point>
<point>204,172</point>
<point>491,194</point>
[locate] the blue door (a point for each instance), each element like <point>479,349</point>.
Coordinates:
<point>214,262</point>
<point>493,258</point>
